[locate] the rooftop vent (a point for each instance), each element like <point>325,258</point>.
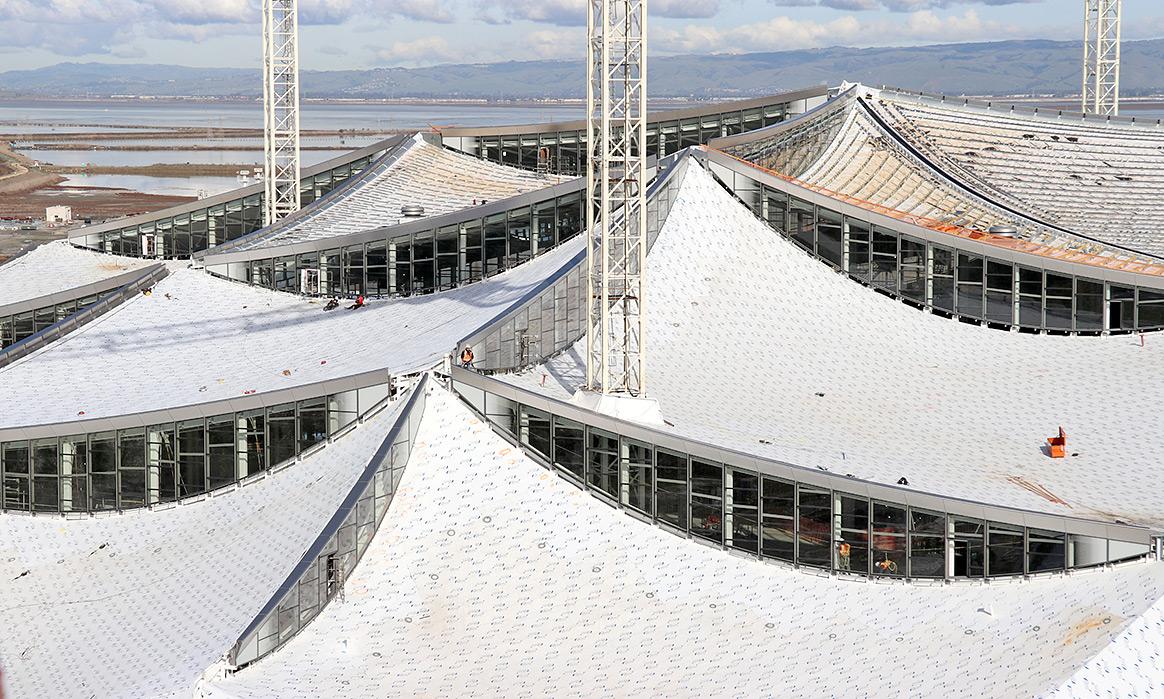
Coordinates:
<point>412,211</point>
<point>1003,231</point>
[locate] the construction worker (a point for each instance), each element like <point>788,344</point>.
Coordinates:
<point>844,551</point>
<point>467,357</point>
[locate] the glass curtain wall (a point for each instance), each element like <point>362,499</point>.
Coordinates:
<point>129,468</point>
<point>184,234</point>
<point>21,326</point>
<point>785,520</point>
<point>953,282</point>
<point>562,151</point>
<point>426,261</point>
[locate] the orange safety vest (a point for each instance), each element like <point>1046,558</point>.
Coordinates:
<point>467,355</point>
<point>845,549</point>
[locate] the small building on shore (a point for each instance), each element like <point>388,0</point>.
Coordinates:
<point>58,214</point>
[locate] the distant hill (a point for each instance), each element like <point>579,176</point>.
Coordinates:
<point>996,68</point>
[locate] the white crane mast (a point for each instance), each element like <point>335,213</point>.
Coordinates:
<point>616,217</point>
<point>1101,56</point>
<point>281,108</point>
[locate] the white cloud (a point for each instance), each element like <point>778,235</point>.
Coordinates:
<point>427,49</point>
<point>894,5</point>
<point>784,33</point>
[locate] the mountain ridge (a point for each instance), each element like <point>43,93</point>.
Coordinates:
<point>1004,68</point>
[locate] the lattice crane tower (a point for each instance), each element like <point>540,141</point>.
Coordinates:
<point>1101,56</point>
<point>616,219</point>
<point>281,108</point>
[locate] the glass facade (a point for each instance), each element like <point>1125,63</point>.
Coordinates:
<point>953,282</point>
<point>183,234</point>
<point>423,262</point>
<point>781,519</point>
<point>21,326</point>
<point>330,562</point>
<point>564,152</point>
<point>123,469</point>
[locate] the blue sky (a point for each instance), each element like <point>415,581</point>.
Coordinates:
<point>356,34</point>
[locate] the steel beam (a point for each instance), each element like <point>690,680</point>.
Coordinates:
<point>281,108</point>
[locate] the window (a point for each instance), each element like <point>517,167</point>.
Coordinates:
<point>448,245</point>
<point>852,528</point>
<point>535,430</point>
<point>969,547</point>
<point>423,263</point>
<point>131,451</point>
<point>884,258</point>
<point>1059,301</point>
<point>671,488</point>
<point>970,277</point>
<point>1030,298</point>
<point>1149,309</point>
<point>569,443</point>
<point>161,460</point>
<point>999,292</point>
<point>777,204</point>
<point>312,422</point>
<point>745,499</point>
<point>888,539</point>
<point>1004,546</point>
<point>828,233</point>
<point>45,468</point>
<point>912,268</point>
<point>17,487</point>
<point>859,247</point>
<point>191,458</point>
<point>495,244</point>
<point>814,533</point>
<point>778,519</point>
<point>942,281</point>
<point>281,432</point>
<point>1046,551</point>
<point>638,463</point>
<point>927,544</point>
<point>707,500</point>
<point>602,459</point>
<point>1088,304</point>
<point>520,236</point>
<point>220,435</point>
<point>802,224</point>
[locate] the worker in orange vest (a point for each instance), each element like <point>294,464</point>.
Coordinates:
<point>467,357</point>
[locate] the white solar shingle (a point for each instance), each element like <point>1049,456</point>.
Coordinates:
<point>757,346</point>
<point>57,267</point>
<point>438,179</point>
<point>492,577</point>
<point>139,604</point>
<point>1102,179</point>
<point>198,339</point>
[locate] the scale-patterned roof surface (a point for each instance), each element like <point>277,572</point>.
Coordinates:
<point>140,604</point>
<point>756,346</point>
<point>492,577</point>
<point>439,179</point>
<point>58,266</point>
<point>198,339</point>
<point>1103,179</point>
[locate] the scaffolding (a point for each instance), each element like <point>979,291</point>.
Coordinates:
<point>616,217</point>
<point>1101,56</point>
<point>281,108</point>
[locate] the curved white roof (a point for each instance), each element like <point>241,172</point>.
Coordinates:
<point>140,604</point>
<point>1099,179</point>
<point>439,179</point>
<point>58,267</point>
<point>198,339</point>
<point>757,346</point>
<point>492,577</point>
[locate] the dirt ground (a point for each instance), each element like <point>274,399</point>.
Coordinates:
<point>14,242</point>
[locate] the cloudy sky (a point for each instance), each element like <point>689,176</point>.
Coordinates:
<point>339,34</point>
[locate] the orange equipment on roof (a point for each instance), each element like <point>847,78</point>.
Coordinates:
<point>1058,444</point>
